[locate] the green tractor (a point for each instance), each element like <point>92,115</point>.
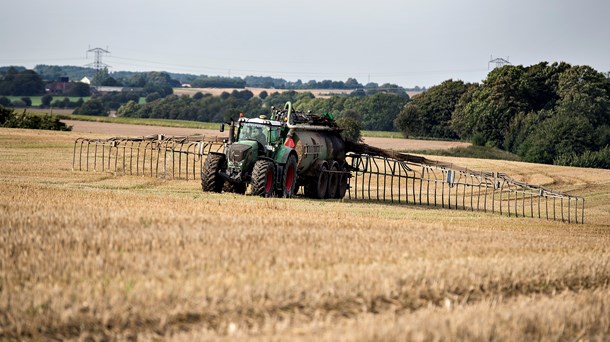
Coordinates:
<point>275,156</point>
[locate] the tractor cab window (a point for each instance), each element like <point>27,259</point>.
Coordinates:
<point>254,132</point>
<point>276,133</point>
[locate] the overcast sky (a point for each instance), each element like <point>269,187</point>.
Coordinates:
<point>409,42</point>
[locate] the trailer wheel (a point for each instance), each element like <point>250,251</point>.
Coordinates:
<point>333,181</point>
<point>263,178</point>
<point>289,178</point>
<point>322,181</point>
<point>210,179</point>
<point>342,182</point>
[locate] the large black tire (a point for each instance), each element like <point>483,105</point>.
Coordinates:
<point>235,188</point>
<point>317,186</point>
<point>289,178</point>
<point>343,178</point>
<point>263,178</point>
<point>333,181</point>
<point>210,179</point>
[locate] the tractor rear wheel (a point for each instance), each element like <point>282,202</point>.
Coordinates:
<point>263,178</point>
<point>210,179</point>
<point>289,178</point>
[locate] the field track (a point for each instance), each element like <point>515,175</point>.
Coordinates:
<point>113,129</point>
<point>94,256</point>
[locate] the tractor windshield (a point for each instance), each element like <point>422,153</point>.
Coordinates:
<point>257,132</point>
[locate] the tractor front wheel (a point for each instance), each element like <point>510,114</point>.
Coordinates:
<point>263,178</point>
<point>210,179</point>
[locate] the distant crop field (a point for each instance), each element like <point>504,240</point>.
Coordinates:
<point>92,255</point>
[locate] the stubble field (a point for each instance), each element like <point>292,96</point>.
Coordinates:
<point>93,255</point>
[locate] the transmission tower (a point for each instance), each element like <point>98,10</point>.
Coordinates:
<point>97,64</point>
<point>499,62</point>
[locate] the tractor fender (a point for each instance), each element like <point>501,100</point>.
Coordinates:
<point>284,154</point>
<point>218,153</point>
<point>267,158</point>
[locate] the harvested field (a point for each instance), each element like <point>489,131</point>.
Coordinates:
<point>93,255</point>
<point>139,130</point>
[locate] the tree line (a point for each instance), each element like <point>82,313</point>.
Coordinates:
<point>376,112</point>
<point>130,78</point>
<point>546,113</point>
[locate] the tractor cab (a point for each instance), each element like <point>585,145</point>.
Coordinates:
<point>267,133</point>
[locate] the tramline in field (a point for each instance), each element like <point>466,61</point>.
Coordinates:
<point>292,153</point>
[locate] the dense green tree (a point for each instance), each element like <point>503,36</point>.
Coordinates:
<point>79,89</point>
<point>351,124</point>
<point>27,101</point>
<point>5,101</point>
<point>198,96</point>
<point>137,80</point>
<point>24,83</point>
<point>545,113</point>
<point>243,94</point>
<point>92,107</point>
<point>352,83</point>
<point>152,97</point>
<point>45,101</point>
<point>494,105</point>
<point>429,114</point>
<point>19,103</point>
<point>159,82</point>
<point>556,136</point>
<point>379,111</point>
<point>131,108</point>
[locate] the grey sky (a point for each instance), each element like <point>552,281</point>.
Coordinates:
<point>406,42</point>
